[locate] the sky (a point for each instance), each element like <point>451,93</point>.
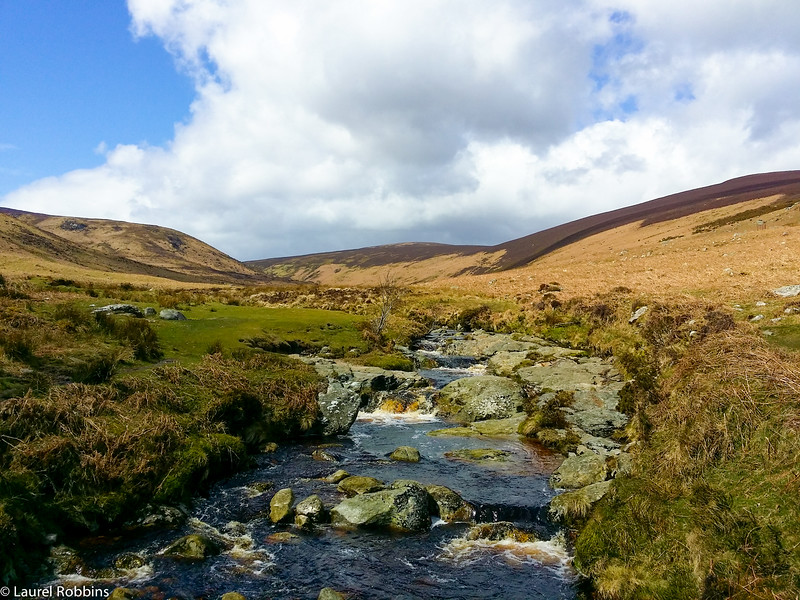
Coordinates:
<point>270,128</point>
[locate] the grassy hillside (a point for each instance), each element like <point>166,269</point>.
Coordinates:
<point>417,262</point>
<point>94,248</point>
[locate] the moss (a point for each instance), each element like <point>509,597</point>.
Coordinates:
<point>201,460</point>
<point>563,441</point>
<point>393,362</point>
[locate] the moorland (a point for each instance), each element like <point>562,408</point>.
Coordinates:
<point>103,415</point>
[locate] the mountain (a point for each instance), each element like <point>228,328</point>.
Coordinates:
<point>420,262</point>
<point>33,243</point>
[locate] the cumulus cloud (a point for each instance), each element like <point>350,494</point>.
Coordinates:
<point>321,126</point>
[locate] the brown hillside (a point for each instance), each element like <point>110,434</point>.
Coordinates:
<point>87,248</point>
<point>416,262</point>
<point>735,253</point>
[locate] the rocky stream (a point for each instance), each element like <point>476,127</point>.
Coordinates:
<point>424,489</point>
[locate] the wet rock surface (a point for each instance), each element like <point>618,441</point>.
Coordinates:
<point>479,398</point>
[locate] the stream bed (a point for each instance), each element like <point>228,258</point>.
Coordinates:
<point>265,560</point>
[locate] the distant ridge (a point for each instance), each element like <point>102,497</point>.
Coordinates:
<point>522,251</point>
<point>105,246</point>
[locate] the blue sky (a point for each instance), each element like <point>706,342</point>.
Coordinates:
<point>72,76</point>
<point>268,128</point>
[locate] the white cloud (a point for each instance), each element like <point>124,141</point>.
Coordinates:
<point>320,126</point>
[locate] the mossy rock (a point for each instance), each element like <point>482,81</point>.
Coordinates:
<point>336,477</point>
<point>405,454</point>
<point>330,594</point>
<point>449,505</point>
<point>560,440</point>
<point>479,455</point>
<point>575,505</point>
<point>356,485</point>
<point>579,471</point>
<point>280,506</point>
<point>501,530</point>
<point>193,547</point>
<point>404,509</point>
<point>129,561</point>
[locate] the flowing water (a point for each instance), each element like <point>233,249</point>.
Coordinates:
<point>260,562</point>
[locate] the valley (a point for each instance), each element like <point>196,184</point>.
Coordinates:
<point>643,444</point>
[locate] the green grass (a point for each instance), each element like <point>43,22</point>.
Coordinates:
<point>785,336</point>
<point>226,325</point>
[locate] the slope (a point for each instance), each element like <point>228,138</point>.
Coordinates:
<point>423,262</point>
<point>33,243</point>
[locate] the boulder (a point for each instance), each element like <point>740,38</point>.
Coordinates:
<point>120,309</point>
<point>232,596</point>
<point>149,312</point>
<point>579,471</point>
<point>280,507</point>
<point>402,509</point>
<point>356,485</point>
<point>405,454</point>
<point>330,594</point>
<point>338,406</point>
<point>787,291</point>
<point>312,508</point>
<point>479,398</point>
<point>170,314</point>
<point>449,506</point>
<point>193,547</point>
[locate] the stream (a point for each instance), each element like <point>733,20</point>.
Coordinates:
<point>264,560</point>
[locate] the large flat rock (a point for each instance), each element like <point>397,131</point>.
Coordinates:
<point>480,398</point>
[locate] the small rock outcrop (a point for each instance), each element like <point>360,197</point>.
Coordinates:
<point>480,398</point>
<point>787,291</point>
<point>120,309</point>
<point>580,470</point>
<point>330,594</point>
<point>170,314</point>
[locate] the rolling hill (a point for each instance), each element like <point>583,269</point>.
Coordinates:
<point>421,262</point>
<point>40,244</point>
